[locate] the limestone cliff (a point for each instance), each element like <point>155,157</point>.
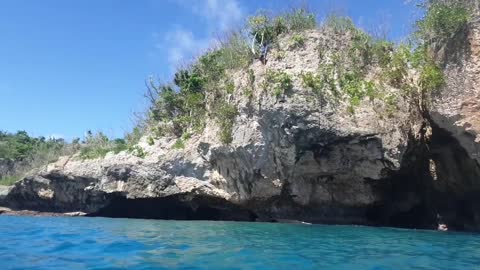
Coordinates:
<point>455,120</point>
<point>295,154</point>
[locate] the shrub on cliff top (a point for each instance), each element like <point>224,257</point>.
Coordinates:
<point>265,29</point>
<point>98,145</point>
<point>339,24</point>
<point>442,20</point>
<point>234,51</point>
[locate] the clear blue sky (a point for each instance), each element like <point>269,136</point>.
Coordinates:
<point>71,66</point>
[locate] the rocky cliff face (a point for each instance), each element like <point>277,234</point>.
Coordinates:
<point>294,155</point>
<point>455,141</point>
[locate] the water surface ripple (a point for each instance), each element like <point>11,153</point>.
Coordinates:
<point>100,243</point>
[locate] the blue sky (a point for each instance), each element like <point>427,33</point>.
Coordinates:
<point>71,66</point>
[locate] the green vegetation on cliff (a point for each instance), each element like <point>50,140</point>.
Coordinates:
<point>24,153</point>
<point>443,20</point>
<point>20,145</point>
<point>364,69</point>
<point>21,153</point>
<point>181,106</point>
<point>98,145</point>
<point>435,31</point>
<point>204,89</point>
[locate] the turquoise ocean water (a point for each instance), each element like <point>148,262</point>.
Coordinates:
<point>100,243</point>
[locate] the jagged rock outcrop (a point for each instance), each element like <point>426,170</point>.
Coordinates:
<point>456,108</point>
<point>293,156</point>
